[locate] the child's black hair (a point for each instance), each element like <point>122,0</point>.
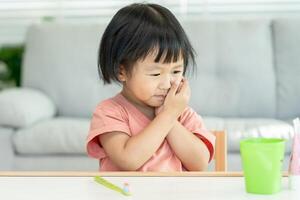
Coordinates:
<point>134,32</point>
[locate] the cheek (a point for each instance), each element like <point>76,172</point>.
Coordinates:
<point>144,88</point>
<point>149,86</point>
<point>177,77</point>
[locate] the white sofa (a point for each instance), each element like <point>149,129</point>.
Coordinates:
<point>247,83</point>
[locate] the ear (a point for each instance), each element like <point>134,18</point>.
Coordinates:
<point>122,74</point>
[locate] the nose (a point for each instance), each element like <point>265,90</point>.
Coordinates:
<point>166,82</point>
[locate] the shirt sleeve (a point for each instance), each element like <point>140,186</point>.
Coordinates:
<point>106,118</point>
<point>194,123</point>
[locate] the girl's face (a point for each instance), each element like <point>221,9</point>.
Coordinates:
<point>150,82</point>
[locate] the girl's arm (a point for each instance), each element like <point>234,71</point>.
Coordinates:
<point>130,153</point>
<point>188,147</point>
<point>192,152</point>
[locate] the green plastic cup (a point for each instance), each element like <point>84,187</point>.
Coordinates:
<point>262,161</point>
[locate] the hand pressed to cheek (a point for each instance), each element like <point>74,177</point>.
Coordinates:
<point>173,85</point>
<point>178,95</point>
<point>180,82</point>
<point>180,85</point>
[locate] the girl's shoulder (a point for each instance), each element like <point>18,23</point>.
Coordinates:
<point>111,105</point>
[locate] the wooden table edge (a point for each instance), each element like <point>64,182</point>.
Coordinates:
<point>120,174</point>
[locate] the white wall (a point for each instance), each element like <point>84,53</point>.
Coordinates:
<point>17,15</point>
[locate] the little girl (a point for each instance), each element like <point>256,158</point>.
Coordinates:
<point>148,126</point>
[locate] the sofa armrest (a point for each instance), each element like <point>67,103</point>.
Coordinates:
<point>20,107</point>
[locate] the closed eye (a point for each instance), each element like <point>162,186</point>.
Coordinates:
<point>176,72</point>
<point>154,74</point>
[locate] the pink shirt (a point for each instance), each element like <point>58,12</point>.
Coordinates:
<point>118,114</point>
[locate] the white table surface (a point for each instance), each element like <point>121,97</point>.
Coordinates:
<point>142,188</point>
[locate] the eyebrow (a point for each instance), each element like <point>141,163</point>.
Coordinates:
<point>157,67</point>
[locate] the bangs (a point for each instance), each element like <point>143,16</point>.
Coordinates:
<point>164,45</point>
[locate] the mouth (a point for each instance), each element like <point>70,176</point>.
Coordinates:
<point>161,97</point>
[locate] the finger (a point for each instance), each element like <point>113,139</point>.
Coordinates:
<point>179,87</point>
<point>174,87</point>
<point>184,85</point>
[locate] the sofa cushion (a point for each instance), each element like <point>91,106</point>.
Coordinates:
<point>6,149</point>
<point>287,64</point>
<point>54,136</point>
<point>20,107</point>
<point>238,129</point>
<point>61,60</point>
<point>66,135</point>
<point>235,74</point>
